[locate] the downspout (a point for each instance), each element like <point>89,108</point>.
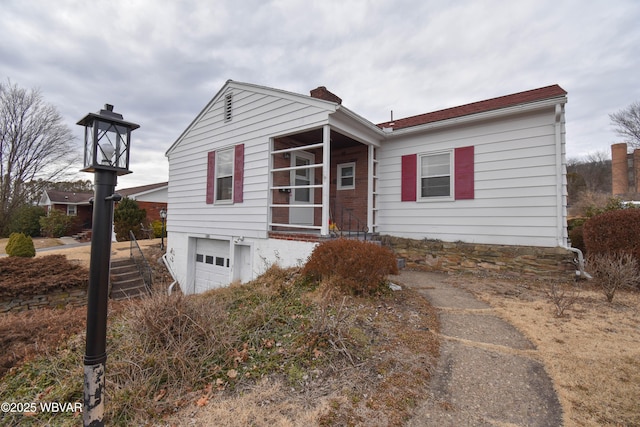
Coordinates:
<point>175,281</point>
<point>560,213</point>
<point>581,272</point>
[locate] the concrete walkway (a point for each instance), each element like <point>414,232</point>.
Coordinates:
<point>488,373</point>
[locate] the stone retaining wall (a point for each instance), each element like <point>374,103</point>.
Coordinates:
<point>429,255</point>
<point>54,299</point>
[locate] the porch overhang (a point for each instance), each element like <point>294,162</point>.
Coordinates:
<point>304,195</point>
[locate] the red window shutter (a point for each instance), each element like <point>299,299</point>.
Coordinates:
<point>464,173</point>
<point>238,173</point>
<point>409,178</point>
<point>211,175</point>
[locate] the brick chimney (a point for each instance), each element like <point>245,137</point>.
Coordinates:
<point>321,92</point>
<point>619,169</point>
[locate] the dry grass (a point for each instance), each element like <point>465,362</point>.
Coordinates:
<point>277,351</point>
<point>81,254</point>
<point>592,353</point>
<point>38,243</point>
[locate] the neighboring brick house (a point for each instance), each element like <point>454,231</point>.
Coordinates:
<point>151,197</point>
<point>71,203</point>
<point>262,175</point>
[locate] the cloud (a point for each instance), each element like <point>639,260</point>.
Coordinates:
<point>160,63</point>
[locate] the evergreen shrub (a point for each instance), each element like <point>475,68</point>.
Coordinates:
<point>354,266</point>
<point>20,245</point>
<point>57,223</point>
<point>27,220</point>
<point>128,216</point>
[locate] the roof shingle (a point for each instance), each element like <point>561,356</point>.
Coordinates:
<point>526,97</point>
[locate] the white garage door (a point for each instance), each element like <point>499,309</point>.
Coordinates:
<point>212,264</point>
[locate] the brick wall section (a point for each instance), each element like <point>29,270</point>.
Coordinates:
<point>152,209</point>
<point>354,201</point>
<point>477,258</point>
<point>55,299</point>
<point>300,237</point>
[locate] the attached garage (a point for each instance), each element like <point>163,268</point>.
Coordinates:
<point>212,264</point>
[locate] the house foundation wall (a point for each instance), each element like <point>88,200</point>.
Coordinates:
<point>529,261</point>
<point>285,250</point>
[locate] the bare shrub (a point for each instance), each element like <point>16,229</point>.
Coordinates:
<point>330,325</point>
<point>167,342</point>
<point>589,203</point>
<point>563,296</point>
<point>361,267</point>
<point>613,271</point>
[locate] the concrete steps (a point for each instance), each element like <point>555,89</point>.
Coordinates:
<point>126,281</point>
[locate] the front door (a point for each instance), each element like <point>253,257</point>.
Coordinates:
<point>301,214</point>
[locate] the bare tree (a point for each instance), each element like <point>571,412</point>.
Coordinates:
<point>626,123</point>
<point>34,144</point>
<point>590,173</point>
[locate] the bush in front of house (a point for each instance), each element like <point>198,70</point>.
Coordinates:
<point>354,266</point>
<point>20,245</point>
<point>613,232</point>
<point>128,216</point>
<point>27,220</point>
<point>57,224</point>
<point>157,228</point>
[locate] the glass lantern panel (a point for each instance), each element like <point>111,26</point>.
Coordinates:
<point>112,143</point>
<point>88,146</point>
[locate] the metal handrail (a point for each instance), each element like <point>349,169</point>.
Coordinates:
<point>141,262</point>
<point>360,225</point>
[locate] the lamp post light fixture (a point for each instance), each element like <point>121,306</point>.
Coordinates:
<point>163,216</point>
<point>106,153</point>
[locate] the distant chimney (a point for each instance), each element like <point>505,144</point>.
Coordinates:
<point>619,169</point>
<point>321,92</point>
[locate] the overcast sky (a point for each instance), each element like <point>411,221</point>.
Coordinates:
<point>159,62</point>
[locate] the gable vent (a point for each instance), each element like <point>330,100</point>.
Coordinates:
<point>228,103</point>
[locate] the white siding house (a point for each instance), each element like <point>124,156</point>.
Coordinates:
<point>261,175</point>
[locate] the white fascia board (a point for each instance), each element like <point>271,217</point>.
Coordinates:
<point>355,126</point>
<point>502,112</point>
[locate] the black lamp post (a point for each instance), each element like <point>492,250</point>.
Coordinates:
<point>106,154</point>
<point>163,216</point>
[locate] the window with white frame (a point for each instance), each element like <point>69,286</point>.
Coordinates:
<point>435,175</point>
<point>224,175</point>
<point>346,176</point>
<point>72,210</point>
